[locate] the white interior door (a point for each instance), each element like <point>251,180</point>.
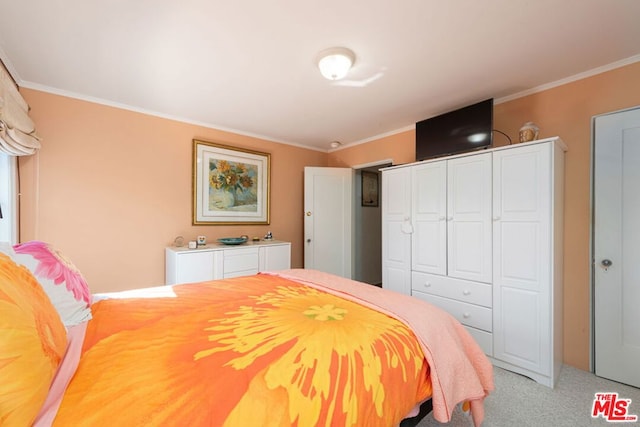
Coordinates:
<point>616,246</point>
<point>328,231</point>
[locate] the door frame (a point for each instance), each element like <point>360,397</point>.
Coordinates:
<point>592,320</point>
<point>357,207</point>
<point>354,202</point>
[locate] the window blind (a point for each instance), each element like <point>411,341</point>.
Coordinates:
<point>17,130</point>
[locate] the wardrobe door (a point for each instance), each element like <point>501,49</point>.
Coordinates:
<point>469,217</point>
<point>396,230</point>
<point>522,256</point>
<point>429,217</point>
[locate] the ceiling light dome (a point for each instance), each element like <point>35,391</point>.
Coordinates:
<point>334,63</point>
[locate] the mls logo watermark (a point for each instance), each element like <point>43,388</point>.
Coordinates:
<point>612,408</point>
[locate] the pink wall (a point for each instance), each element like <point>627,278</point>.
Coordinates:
<point>111,189</point>
<point>564,111</point>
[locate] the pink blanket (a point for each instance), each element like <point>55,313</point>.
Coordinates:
<point>75,337</point>
<point>460,371</point>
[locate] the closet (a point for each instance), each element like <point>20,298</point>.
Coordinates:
<point>480,235</point>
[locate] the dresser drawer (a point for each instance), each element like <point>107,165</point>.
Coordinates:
<point>240,262</point>
<point>467,314</point>
<point>458,289</point>
<point>239,273</point>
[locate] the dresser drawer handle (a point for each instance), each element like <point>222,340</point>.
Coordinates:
<point>466,315</point>
<point>466,292</point>
<point>427,284</point>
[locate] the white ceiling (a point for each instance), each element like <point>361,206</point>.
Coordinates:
<point>249,65</point>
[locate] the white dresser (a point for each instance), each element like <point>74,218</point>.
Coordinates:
<point>480,235</point>
<point>218,261</point>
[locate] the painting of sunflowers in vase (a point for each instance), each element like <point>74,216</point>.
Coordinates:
<point>230,185</point>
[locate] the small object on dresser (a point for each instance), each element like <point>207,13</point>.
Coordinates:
<point>256,239</point>
<point>178,242</point>
<point>232,240</point>
<point>193,244</point>
<point>202,240</point>
<point>529,132</point>
<point>268,236</point>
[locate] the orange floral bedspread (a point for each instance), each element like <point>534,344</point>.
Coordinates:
<point>251,351</point>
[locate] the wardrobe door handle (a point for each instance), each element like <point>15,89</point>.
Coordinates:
<point>406,227</point>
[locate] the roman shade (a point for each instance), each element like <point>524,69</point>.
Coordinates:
<point>17,130</point>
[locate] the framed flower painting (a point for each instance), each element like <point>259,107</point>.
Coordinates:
<point>369,189</point>
<point>230,185</point>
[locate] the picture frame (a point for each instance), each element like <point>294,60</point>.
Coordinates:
<point>369,189</point>
<point>230,185</point>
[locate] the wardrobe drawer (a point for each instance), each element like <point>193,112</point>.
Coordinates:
<point>448,287</point>
<point>467,314</point>
<point>483,338</point>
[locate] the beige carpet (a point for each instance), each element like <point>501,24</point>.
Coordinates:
<point>520,402</point>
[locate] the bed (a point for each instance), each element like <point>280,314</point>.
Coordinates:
<point>288,348</point>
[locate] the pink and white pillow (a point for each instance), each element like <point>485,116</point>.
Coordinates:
<point>59,278</point>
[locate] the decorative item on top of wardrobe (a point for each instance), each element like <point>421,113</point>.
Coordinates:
<point>529,132</point>
<point>17,130</point>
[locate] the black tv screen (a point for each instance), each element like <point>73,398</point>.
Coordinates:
<point>466,129</point>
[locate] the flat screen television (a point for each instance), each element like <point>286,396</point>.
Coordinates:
<point>466,129</point>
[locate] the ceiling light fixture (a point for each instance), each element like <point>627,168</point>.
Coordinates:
<point>334,63</point>
<point>335,144</point>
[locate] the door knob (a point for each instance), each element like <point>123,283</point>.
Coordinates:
<point>606,263</point>
<point>308,213</point>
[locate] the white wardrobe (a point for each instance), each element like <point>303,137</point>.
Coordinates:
<point>480,235</point>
